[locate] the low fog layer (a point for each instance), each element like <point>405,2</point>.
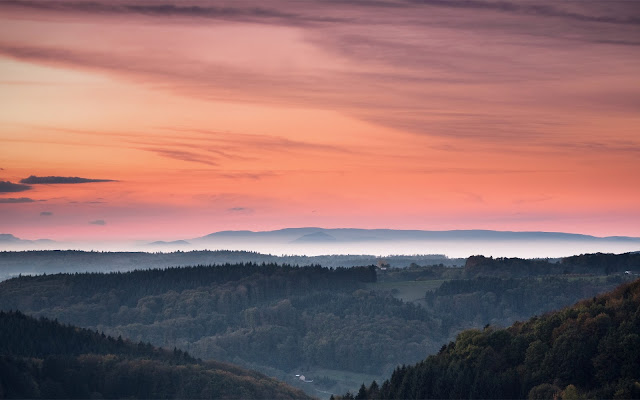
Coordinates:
<point>317,241</point>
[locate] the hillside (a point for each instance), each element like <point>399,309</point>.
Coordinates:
<point>44,359</point>
<point>339,327</point>
<point>589,350</point>
<point>271,315</point>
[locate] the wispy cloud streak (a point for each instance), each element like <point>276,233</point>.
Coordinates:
<point>15,200</point>
<point>420,57</point>
<point>248,13</point>
<point>182,155</point>
<point>537,9</point>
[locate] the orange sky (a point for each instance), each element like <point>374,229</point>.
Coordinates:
<point>208,116</point>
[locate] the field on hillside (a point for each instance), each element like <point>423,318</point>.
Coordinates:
<point>409,291</point>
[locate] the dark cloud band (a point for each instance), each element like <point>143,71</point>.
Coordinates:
<point>36,180</point>
<point>10,187</point>
<point>258,14</point>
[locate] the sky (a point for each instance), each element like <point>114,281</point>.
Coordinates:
<point>130,119</point>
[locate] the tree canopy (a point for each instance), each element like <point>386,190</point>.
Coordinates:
<point>589,350</point>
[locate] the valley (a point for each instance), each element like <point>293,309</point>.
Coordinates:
<point>339,327</point>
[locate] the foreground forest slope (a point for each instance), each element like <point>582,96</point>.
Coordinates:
<point>44,359</point>
<point>590,350</point>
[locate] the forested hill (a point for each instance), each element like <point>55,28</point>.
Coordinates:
<point>595,264</point>
<point>282,320</point>
<point>44,359</point>
<point>260,282</point>
<point>24,336</point>
<point>14,263</point>
<point>590,350</point>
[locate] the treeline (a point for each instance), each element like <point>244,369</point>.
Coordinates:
<point>261,282</point>
<point>415,272</point>
<point>501,302</point>
<point>597,264</point>
<point>44,359</point>
<point>590,350</point>
<point>594,264</point>
<point>14,263</point>
<point>70,261</point>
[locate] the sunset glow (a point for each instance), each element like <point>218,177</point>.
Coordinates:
<point>208,116</point>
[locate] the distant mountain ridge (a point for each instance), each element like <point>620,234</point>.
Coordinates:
<point>315,237</point>
<point>9,238</point>
<point>310,234</point>
<point>173,243</point>
<point>316,241</point>
<point>317,234</point>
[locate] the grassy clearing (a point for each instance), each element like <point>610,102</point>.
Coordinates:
<point>409,291</point>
